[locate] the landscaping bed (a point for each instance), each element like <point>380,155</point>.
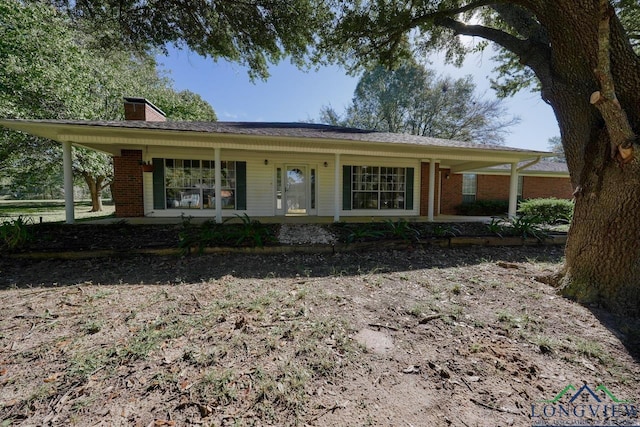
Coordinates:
<point>187,237</point>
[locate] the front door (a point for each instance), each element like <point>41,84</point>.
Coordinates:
<point>296,190</point>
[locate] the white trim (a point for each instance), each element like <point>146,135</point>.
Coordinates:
<point>218,181</point>
<point>337,202</point>
<point>513,190</point>
<point>67,165</point>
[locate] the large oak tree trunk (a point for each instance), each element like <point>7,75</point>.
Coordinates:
<point>587,56</point>
<point>603,250</point>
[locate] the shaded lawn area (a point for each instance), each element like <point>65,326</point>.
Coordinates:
<point>422,337</point>
<point>49,210</point>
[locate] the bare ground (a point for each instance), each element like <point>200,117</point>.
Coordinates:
<point>430,337</point>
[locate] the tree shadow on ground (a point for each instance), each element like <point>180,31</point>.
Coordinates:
<point>198,268</point>
<point>176,270</point>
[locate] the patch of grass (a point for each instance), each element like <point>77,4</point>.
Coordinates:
<point>420,310</point>
<point>219,387</point>
<point>455,312</point>
<point>476,347</point>
<point>92,327</point>
<point>40,394</point>
<point>281,389</point>
<point>545,344</point>
<point>100,294</point>
<point>504,316</point>
<point>592,350</point>
<point>84,364</point>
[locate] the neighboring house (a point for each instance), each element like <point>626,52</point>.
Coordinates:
<point>219,169</point>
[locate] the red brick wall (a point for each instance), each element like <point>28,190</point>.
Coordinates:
<point>451,192</point>
<point>496,187</point>
<point>424,189</point>
<point>127,184</point>
<point>534,187</point>
<point>142,111</point>
<point>492,187</point>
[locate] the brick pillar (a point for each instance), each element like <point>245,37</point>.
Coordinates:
<point>127,184</point>
<point>451,192</point>
<point>424,190</point>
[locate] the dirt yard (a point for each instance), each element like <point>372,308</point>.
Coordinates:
<point>429,337</point>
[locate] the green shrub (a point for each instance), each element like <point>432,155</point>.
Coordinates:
<point>402,229</point>
<point>243,232</point>
<point>549,211</point>
<point>526,226</point>
<point>250,232</point>
<point>15,234</point>
<point>483,208</point>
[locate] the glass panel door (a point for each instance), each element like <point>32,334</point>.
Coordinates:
<point>296,190</point>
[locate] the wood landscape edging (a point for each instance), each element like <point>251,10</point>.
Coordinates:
<point>444,242</point>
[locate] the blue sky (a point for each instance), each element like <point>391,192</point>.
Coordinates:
<point>291,95</point>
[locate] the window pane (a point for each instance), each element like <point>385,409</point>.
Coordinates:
<point>279,188</point>
<point>378,187</point>
<point>469,184</point>
<point>190,184</point>
<point>520,182</point>
<point>364,200</point>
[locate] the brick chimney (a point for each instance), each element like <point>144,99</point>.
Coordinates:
<point>141,109</point>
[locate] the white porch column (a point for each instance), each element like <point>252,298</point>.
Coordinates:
<point>513,190</point>
<point>218,181</point>
<point>432,189</point>
<point>336,189</point>
<point>68,182</point>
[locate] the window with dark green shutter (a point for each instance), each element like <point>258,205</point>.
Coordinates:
<point>190,184</point>
<point>158,184</point>
<point>346,188</point>
<point>378,187</point>
<point>241,185</point>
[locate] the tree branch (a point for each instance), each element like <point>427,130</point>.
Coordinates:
<point>621,134</point>
<point>524,49</point>
<point>447,13</point>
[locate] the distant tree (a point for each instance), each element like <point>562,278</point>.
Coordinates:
<point>555,146</point>
<point>78,82</point>
<point>411,99</point>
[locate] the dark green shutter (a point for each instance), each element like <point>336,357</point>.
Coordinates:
<point>158,184</point>
<point>241,185</point>
<point>346,188</point>
<point>409,193</point>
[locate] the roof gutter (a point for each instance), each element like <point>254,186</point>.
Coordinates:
<point>528,165</point>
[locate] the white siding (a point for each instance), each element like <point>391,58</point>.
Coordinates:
<point>261,180</point>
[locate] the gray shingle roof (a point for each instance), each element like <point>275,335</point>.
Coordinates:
<point>542,166</point>
<point>288,130</point>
